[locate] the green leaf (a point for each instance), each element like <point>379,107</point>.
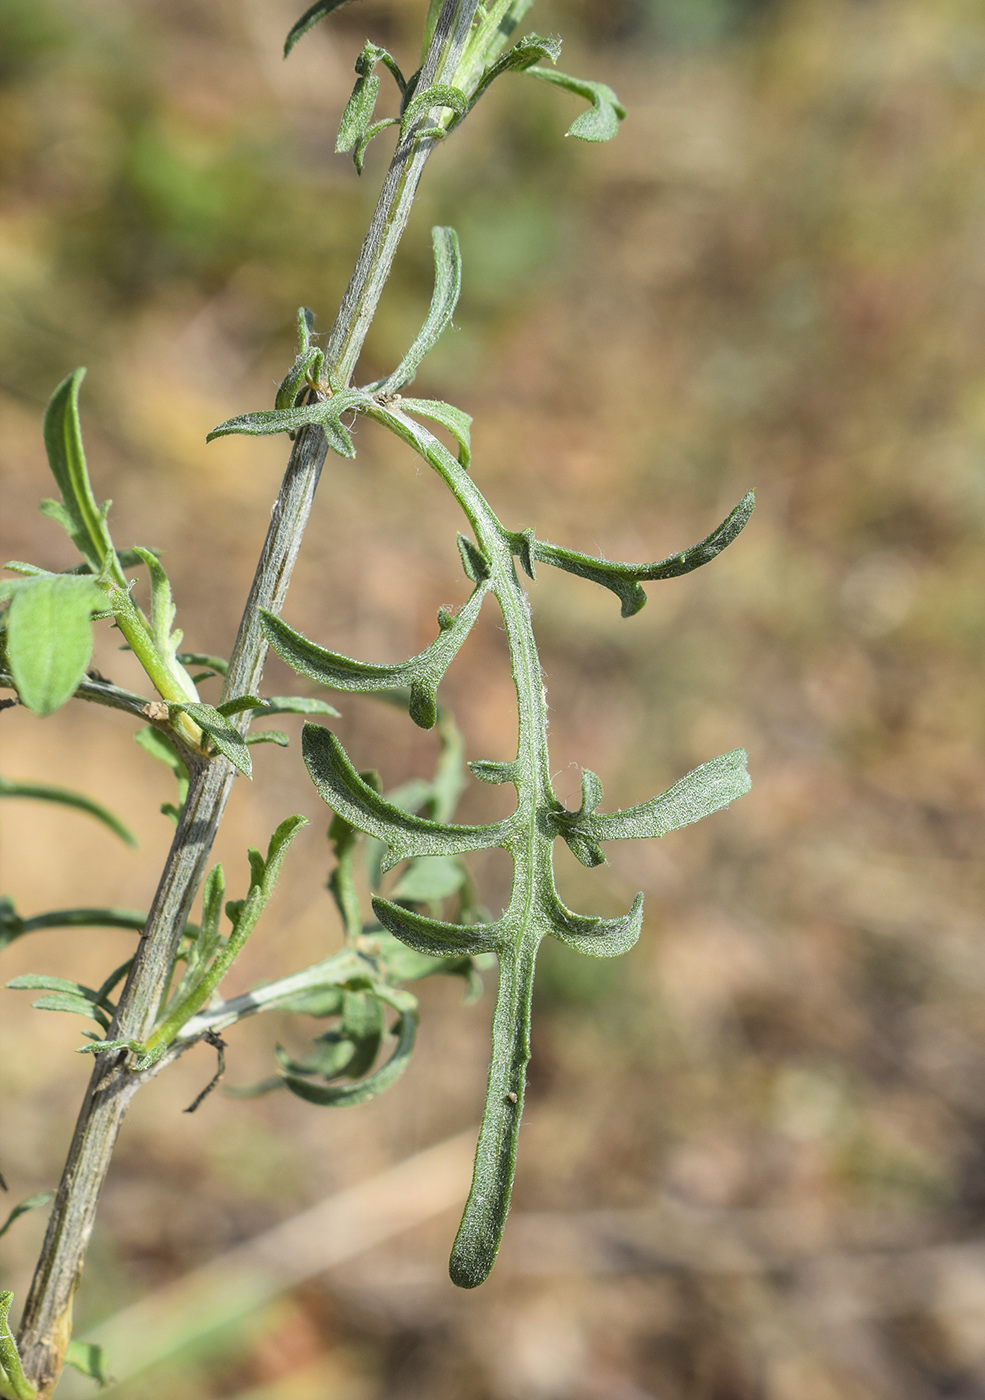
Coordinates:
<point>162,612</point>
<point>359,154</point>
<point>209,939</point>
<point>65,996</point>
<point>404,964</point>
<point>342,1096</point>
<point>308,20</point>
<point>704,790</point>
<point>29,1203</point>
<point>85,522</point>
<point>269,736</point>
<point>90,1359</point>
<point>324,414</point>
<point>531,49</point>
<point>41,982</point>
<point>474,562</point>
<point>226,738</point>
<point>11,923</point>
<point>444,299</point>
<point>12,926</point>
<point>49,637</point>
<point>456,420</point>
<point>238,704</point>
<point>488,771</point>
<point>319,1002</point>
<point>364,1024</point>
<point>200,658</point>
<point>197,986</point>
<point>329,1058</point>
<point>535,910</point>
<point>434,937</point>
<point>358,113</point>
<point>307,366</point>
<point>422,673</point>
<point>65,797</point>
<point>601,121</point>
<point>624,579</point>
<point>295,705</point>
<point>78,1006</point>
<point>341,787</point>
<point>14,1385</point>
<point>355,128</point>
<point>440,95</point>
<point>598,938</point>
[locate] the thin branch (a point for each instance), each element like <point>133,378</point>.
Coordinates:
<point>46,1325</point>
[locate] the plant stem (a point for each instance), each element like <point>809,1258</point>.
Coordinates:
<point>46,1324</point>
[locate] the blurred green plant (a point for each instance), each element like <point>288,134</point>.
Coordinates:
<point>428,922</point>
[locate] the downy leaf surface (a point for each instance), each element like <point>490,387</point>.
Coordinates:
<point>49,637</point>
<point>601,121</point>
<point>535,909</point>
<point>421,674</point>
<point>444,299</point>
<point>79,513</point>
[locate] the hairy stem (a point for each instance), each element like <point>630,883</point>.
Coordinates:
<point>46,1324</point>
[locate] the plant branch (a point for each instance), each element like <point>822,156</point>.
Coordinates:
<point>46,1325</point>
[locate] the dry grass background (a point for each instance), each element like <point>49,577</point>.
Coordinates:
<point>753,1161</point>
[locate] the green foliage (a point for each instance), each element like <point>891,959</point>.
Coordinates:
<point>64,797</point>
<point>535,909</point>
<point>424,919</point>
<point>308,20</point>
<point>41,1198</point>
<point>447,289</point>
<point>601,121</point>
<point>49,636</point>
<point>82,519</point>
<point>47,625</point>
<point>14,1385</point>
<point>90,1359</point>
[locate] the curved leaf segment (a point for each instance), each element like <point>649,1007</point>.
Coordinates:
<point>482,62</point>
<point>535,909</point>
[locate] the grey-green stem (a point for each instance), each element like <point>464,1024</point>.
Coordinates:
<point>47,1319</point>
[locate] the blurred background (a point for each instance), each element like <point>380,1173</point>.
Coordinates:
<point>753,1157</point>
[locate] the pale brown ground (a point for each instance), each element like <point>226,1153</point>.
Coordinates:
<point>772,279</point>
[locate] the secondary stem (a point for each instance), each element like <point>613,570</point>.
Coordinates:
<point>46,1324</point>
